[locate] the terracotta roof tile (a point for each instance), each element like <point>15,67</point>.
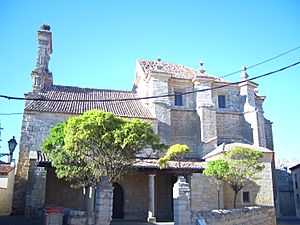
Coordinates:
<point>153,164</point>
<point>226,147</point>
<point>5,168</point>
<point>174,69</point>
<point>142,163</point>
<point>128,108</point>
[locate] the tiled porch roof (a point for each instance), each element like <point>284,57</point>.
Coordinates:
<point>141,163</point>
<point>5,168</point>
<point>226,147</point>
<point>64,94</point>
<point>153,164</point>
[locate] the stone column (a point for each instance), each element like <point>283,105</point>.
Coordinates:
<point>151,196</point>
<point>104,202</point>
<point>181,200</point>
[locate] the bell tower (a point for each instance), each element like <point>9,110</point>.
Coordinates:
<point>41,75</point>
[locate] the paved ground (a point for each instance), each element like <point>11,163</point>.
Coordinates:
<point>288,221</point>
<point>20,220</point>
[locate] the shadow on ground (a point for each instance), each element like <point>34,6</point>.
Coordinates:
<point>21,220</point>
<point>288,221</point>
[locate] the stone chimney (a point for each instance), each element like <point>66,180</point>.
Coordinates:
<point>41,75</point>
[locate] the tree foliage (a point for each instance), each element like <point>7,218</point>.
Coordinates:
<point>238,168</point>
<point>95,144</point>
<point>176,152</point>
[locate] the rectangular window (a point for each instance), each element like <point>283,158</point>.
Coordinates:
<point>178,99</point>
<point>298,199</point>
<point>222,101</point>
<point>296,181</point>
<point>246,197</point>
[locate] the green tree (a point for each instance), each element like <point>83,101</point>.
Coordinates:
<point>238,168</point>
<point>82,149</point>
<point>177,152</point>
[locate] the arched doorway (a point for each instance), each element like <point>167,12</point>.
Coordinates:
<point>118,202</point>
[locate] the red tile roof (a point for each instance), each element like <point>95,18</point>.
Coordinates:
<point>174,69</point>
<point>129,108</point>
<point>153,164</point>
<point>220,149</point>
<point>5,168</point>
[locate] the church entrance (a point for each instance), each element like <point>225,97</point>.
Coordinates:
<point>118,202</point>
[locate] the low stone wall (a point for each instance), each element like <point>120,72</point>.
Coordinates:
<point>246,216</point>
<point>73,217</point>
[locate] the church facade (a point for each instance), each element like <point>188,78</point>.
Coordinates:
<point>190,107</point>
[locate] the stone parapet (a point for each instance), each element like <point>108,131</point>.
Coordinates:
<point>247,216</point>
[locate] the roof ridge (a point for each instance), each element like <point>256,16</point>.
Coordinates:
<point>189,73</point>
<point>89,88</point>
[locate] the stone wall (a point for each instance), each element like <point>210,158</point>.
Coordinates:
<point>35,129</point>
<point>246,216</point>
<point>59,192</point>
<point>35,193</point>
<point>261,191</point>
<point>229,127</point>
<point>6,193</point>
<point>185,128</point>
<point>206,193</point>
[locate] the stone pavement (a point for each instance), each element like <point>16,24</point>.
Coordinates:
<point>288,221</point>
<point>21,220</point>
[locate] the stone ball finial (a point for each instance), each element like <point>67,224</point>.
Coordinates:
<point>45,27</point>
<point>159,63</point>
<point>244,75</point>
<point>202,69</point>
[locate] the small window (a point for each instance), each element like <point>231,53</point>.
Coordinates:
<point>297,199</point>
<point>246,197</point>
<point>296,181</point>
<point>221,101</point>
<point>178,99</point>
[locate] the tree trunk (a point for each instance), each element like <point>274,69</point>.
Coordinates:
<point>234,199</point>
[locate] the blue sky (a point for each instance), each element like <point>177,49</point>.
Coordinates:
<point>96,44</point>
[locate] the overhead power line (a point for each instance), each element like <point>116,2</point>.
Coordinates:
<point>260,63</point>
<point>155,96</point>
<point>10,114</point>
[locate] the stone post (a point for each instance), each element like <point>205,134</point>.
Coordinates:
<point>36,188</point>
<point>104,202</point>
<point>151,196</point>
<point>181,200</point>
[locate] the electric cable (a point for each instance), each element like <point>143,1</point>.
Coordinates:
<point>260,63</point>
<point>151,97</point>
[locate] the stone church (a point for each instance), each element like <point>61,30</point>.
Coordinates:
<point>195,108</point>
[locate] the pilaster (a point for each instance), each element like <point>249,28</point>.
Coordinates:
<point>206,111</point>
